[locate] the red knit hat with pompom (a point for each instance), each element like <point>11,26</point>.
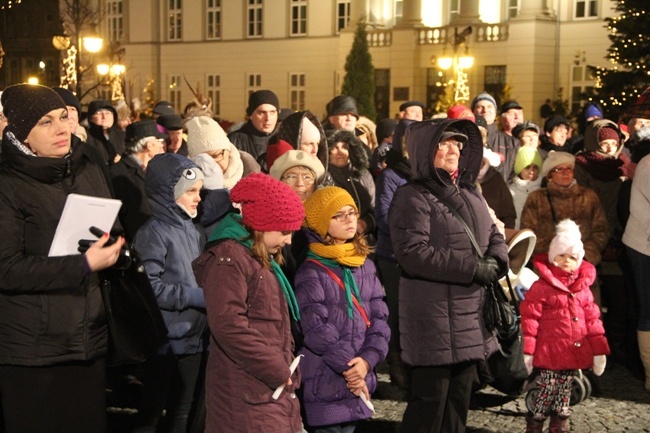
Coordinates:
<point>267,204</point>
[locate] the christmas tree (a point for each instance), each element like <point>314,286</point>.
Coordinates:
<point>620,85</point>
<point>359,81</point>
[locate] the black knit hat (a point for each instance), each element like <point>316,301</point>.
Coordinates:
<point>262,97</point>
<point>342,104</point>
<point>24,105</point>
<point>68,97</point>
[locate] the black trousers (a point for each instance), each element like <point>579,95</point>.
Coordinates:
<point>389,274</point>
<point>439,399</point>
<point>63,398</point>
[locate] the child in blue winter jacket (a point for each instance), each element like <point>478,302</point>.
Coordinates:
<point>167,244</point>
<point>343,315</point>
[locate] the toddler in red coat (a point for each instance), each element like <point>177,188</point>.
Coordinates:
<point>561,326</point>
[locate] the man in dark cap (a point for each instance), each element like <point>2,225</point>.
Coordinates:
<point>342,113</point>
<point>253,137</point>
<point>412,110</point>
<point>172,125</point>
<point>161,108</point>
<point>512,114</point>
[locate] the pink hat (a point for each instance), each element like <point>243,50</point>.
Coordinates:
<point>267,204</point>
<point>460,111</point>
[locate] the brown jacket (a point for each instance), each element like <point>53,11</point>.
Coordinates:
<point>250,344</point>
<point>578,203</point>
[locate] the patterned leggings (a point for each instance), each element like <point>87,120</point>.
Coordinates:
<point>554,393</point>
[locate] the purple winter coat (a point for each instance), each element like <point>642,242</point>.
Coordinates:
<point>331,339</point>
<point>440,307</point>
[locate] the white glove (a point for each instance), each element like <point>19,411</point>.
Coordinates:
<point>528,361</point>
<point>600,361</point>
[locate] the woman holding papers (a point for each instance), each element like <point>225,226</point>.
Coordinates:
<point>343,315</point>
<point>53,334</point>
<point>250,304</point>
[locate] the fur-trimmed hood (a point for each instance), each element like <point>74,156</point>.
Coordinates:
<point>291,131</point>
<point>591,135</point>
<point>358,155</point>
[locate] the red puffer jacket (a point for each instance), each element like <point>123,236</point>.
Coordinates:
<point>560,321</point>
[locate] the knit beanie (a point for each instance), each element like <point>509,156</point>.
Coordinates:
<point>309,132</point>
<point>212,172</point>
<point>24,104</point>
<point>554,159</point>
<point>526,156</point>
<point>483,96</point>
<point>593,110</point>
<point>321,206</point>
<point>385,128</point>
<point>567,240</point>
<point>267,204</point>
<point>460,111</point>
<point>68,97</point>
<point>607,133</point>
<point>296,158</point>
<point>262,97</point>
<point>205,135</point>
<point>188,178</point>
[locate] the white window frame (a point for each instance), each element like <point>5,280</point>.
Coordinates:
<point>581,82</point>
<point>398,11</point>
<point>298,18</point>
<point>297,91</point>
<point>454,9</point>
<point>512,10</point>
<point>115,19</point>
<point>213,90</point>
<point>175,93</point>
<point>587,6</point>
<point>254,18</point>
<point>342,14</point>
<point>253,84</point>
<point>213,16</point>
<point>174,20</point>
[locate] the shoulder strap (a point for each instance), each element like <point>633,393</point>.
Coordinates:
<point>548,196</point>
<point>338,281</point>
<point>460,219</point>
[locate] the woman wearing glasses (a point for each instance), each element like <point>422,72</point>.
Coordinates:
<point>298,169</point>
<point>564,198</point>
<point>342,315</point>
<point>442,335</point>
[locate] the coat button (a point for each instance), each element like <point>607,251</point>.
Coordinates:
<point>292,395</point>
<point>221,259</point>
<point>572,295</point>
<point>577,344</point>
<point>228,259</point>
<point>575,319</point>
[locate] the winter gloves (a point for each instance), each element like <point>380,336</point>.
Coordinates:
<point>487,270</point>
<point>599,364</point>
<point>528,361</point>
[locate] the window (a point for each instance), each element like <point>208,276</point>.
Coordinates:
<point>342,14</point>
<point>298,17</point>
<point>214,93</point>
<point>213,19</point>
<point>114,19</point>
<point>297,91</point>
<point>495,81</point>
<point>454,10</point>
<point>254,19</point>
<point>174,20</point>
<point>254,83</point>
<point>175,91</point>
<point>582,86</point>
<point>586,9</point>
<point>398,13</point>
<point>513,8</point>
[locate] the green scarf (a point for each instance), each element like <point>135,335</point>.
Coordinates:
<point>231,227</point>
<point>348,280</point>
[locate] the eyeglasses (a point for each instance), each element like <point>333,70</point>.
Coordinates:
<point>447,144</point>
<point>343,217</point>
<point>562,170</point>
<point>293,178</point>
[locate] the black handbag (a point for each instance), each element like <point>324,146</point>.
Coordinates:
<point>136,328</point>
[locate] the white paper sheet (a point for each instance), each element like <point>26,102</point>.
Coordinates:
<point>79,214</point>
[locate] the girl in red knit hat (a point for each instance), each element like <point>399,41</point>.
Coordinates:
<point>249,305</point>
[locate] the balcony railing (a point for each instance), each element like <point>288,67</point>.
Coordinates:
<point>481,33</point>
<point>379,38</point>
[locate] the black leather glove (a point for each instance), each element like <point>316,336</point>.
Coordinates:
<point>487,270</point>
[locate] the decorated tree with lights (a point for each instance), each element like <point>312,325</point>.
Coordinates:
<point>619,85</point>
<point>359,81</point>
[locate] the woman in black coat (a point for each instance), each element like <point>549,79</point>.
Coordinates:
<point>53,333</point>
<point>443,336</point>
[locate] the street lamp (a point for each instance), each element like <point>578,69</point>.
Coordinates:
<point>459,64</point>
<point>72,69</point>
<point>114,73</point>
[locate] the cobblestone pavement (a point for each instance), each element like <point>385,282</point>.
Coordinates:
<point>622,405</point>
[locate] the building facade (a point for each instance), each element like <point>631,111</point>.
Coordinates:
<point>534,49</point>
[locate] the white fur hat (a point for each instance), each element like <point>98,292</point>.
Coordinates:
<point>556,158</point>
<point>205,135</point>
<point>293,158</point>
<point>567,240</point>
<point>213,175</point>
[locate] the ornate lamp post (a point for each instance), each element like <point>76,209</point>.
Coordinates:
<point>459,64</point>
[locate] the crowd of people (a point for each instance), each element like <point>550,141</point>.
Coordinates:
<point>335,244</point>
